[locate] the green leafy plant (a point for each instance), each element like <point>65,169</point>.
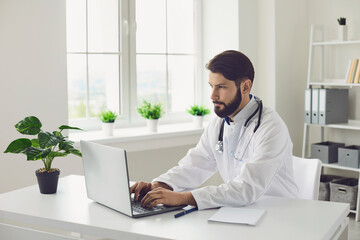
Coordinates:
<point>197,110</point>
<point>46,146</point>
<point>107,116</point>
<point>342,21</point>
<point>150,111</point>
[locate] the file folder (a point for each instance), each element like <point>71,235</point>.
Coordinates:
<point>315,106</point>
<point>308,105</point>
<point>333,106</point>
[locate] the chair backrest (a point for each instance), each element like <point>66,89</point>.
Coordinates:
<point>307,177</point>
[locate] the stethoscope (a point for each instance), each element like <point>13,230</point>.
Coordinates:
<point>219,146</point>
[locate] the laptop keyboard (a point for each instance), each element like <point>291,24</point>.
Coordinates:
<point>136,207</point>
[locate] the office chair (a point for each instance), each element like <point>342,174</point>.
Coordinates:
<point>307,177</point>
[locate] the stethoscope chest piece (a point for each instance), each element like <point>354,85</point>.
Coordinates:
<point>219,147</point>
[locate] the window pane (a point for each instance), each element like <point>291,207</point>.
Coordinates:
<point>181,81</point>
<point>151,26</point>
<point>103,26</point>
<point>103,83</point>
<point>76,74</point>
<point>180,27</point>
<point>76,25</point>
<point>151,78</point>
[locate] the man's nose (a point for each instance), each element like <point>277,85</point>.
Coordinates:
<point>214,96</point>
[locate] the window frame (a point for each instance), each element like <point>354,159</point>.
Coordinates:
<point>128,116</point>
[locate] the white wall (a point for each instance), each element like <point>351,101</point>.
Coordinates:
<point>32,80</point>
<point>291,56</point>
<point>220,33</point>
<point>275,35</point>
<point>265,81</point>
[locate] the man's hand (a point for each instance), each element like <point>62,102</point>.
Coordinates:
<point>164,196</point>
<point>142,188</point>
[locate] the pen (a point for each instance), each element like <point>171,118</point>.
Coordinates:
<point>185,212</point>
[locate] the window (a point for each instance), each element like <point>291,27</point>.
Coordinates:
<point>121,52</point>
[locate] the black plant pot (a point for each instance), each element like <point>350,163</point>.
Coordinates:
<point>48,181</point>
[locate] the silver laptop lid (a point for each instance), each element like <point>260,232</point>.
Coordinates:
<point>106,176</point>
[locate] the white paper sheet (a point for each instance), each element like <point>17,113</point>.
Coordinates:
<point>238,215</point>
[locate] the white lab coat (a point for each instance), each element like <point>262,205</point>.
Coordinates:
<point>262,162</point>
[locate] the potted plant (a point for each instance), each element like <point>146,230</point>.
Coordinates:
<point>108,119</point>
<point>342,29</point>
<point>198,113</point>
<point>46,146</point>
<point>152,113</point>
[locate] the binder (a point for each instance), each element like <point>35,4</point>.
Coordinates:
<point>348,78</point>
<point>351,73</point>
<point>308,105</point>
<point>357,72</point>
<point>315,106</point>
<point>333,106</point>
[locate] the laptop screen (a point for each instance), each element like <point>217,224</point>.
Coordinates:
<point>106,176</point>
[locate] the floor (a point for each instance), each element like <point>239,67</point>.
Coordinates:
<point>354,228</point>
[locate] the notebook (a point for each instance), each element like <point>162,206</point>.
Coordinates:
<point>239,215</point>
<point>107,180</point>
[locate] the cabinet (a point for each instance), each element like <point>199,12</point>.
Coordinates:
<point>319,76</point>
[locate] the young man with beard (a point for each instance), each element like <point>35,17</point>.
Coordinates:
<point>253,155</point>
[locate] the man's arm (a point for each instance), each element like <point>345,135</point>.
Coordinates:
<point>198,165</point>
<point>195,168</point>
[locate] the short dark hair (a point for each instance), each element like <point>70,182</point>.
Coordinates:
<point>233,65</point>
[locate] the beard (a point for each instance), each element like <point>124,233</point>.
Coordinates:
<point>229,108</point>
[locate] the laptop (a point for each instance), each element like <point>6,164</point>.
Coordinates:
<point>107,180</point>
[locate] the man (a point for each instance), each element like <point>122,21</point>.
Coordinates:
<point>256,156</point>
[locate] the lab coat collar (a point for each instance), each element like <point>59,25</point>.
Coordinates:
<point>244,113</point>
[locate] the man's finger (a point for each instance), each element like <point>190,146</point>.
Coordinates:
<point>133,187</point>
<point>154,203</point>
<point>149,197</point>
<point>138,190</point>
<point>145,200</point>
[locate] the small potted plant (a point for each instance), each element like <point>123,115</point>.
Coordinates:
<point>152,113</point>
<point>108,119</point>
<point>342,29</point>
<point>198,113</point>
<point>46,146</point>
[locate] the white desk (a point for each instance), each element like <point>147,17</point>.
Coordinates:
<point>69,210</point>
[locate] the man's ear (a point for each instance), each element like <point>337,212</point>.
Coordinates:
<point>246,86</point>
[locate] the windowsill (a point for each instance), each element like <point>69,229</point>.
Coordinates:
<point>140,139</point>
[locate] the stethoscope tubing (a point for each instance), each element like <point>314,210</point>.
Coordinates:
<point>219,146</point>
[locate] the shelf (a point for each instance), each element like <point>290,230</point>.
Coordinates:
<point>336,43</point>
<point>335,84</point>
<point>337,166</point>
<point>324,80</point>
<point>351,125</point>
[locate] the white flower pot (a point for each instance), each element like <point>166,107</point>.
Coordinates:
<point>342,32</point>
<point>108,128</point>
<point>152,124</point>
<point>198,121</point>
